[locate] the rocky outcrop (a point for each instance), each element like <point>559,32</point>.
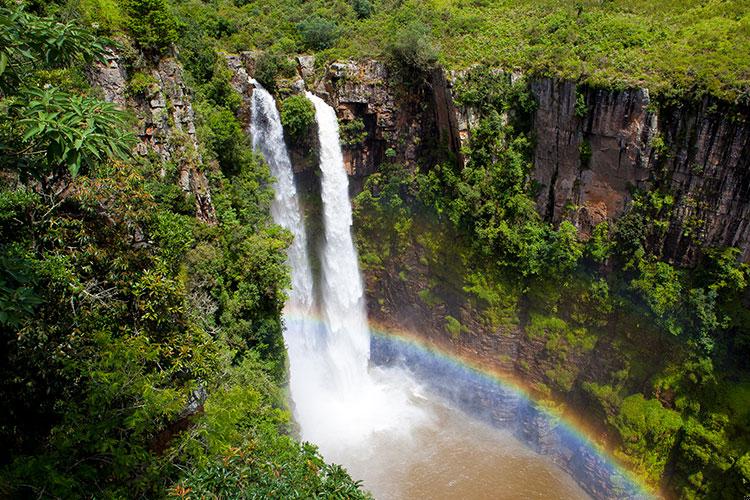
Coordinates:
<point>412,127</point>
<point>166,122</point>
<point>593,147</point>
<point>706,165</point>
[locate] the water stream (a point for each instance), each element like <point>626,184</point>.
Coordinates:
<point>381,423</point>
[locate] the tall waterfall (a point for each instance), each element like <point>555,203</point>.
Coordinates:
<point>343,402</point>
<point>339,403</point>
<point>343,297</point>
<point>268,138</point>
<point>299,334</point>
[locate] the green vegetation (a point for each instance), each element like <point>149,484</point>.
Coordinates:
<point>151,23</point>
<point>140,84</point>
<point>648,431</point>
<point>318,33</point>
<point>297,116</point>
<point>675,48</point>
<point>140,349</point>
<point>352,132</point>
<point>677,338</point>
<point>453,326</point>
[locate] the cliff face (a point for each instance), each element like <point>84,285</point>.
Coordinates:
<point>166,122</point>
<point>594,146</point>
<point>615,130</point>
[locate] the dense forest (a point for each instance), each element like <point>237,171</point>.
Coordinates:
<point>142,351</point>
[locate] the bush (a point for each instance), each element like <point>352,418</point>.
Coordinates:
<point>139,84</point>
<point>352,132</point>
<point>318,33</point>
<point>363,8</point>
<point>151,23</point>
<point>412,52</point>
<point>271,65</point>
<point>648,432</point>
<point>224,137</point>
<point>297,116</point>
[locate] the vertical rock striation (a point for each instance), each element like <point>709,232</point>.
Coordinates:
<point>594,146</point>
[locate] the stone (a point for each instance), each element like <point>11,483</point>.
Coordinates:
<point>161,123</point>
<point>306,67</point>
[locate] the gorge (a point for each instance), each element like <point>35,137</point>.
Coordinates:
<point>378,420</point>
<point>374,248</point>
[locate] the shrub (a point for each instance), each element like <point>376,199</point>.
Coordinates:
<point>105,13</point>
<point>584,150</point>
<point>352,132</point>
<point>318,33</point>
<point>412,52</point>
<point>297,116</point>
<point>139,84</point>
<point>363,8</point>
<point>648,432</point>
<point>271,65</point>
<point>151,23</point>
<point>453,326</point>
<point>224,136</point>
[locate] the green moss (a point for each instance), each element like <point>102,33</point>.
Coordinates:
<point>544,326</point>
<point>648,432</point>
<point>429,298</point>
<point>453,326</point>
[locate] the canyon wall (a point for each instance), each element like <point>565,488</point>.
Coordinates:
<point>166,121</point>
<point>592,148</point>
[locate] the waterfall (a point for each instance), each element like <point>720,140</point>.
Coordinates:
<point>339,403</point>
<point>343,297</point>
<point>345,403</point>
<point>268,138</point>
<point>299,335</point>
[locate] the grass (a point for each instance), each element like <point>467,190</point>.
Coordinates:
<point>673,47</point>
<point>686,46</point>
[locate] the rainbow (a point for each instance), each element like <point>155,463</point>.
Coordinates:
<point>398,345</point>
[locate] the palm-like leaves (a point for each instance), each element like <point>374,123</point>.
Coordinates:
<point>27,40</point>
<point>67,131</point>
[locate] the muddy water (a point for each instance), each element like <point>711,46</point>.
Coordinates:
<point>452,456</point>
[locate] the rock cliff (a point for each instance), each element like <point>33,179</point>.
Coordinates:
<point>594,146</point>
<point>166,121</point>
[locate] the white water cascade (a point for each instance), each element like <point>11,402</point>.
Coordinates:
<point>268,138</point>
<point>345,402</point>
<point>338,401</point>
<point>372,420</point>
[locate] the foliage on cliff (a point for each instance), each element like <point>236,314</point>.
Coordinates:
<point>675,48</point>
<point>140,349</point>
<point>673,395</point>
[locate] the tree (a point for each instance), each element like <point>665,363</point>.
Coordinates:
<point>29,42</point>
<point>151,23</point>
<point>411,52</point>
<point>297,116</point>
<point>63,132</point>
<point>318,33</point>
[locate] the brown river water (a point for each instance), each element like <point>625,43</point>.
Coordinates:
<point>453,456</point>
